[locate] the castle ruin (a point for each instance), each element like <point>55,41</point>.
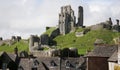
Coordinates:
<point>67,19</point>
<point>80,16</point>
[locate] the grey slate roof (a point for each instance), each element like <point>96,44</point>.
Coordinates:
<point>114,57</point>
<point>102,51</point>
<point>12,56</point>
<point>44,63</point>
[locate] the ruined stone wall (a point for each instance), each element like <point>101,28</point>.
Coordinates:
<point>80,16</point>
<point>33,43</point>
<point>44,39</point>
<point>66,20</point>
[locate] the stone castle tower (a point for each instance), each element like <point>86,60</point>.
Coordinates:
<point>80,16</point>
<point>67,19</point>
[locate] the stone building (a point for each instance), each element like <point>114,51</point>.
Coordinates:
<point>8,61</point>
<point>67,20</point>
<point>98,59</point>
<point>13,62</point>
<point>34,43</point>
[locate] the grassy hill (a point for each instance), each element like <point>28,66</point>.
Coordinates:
<point>85,42</point>
<point>21,45</point>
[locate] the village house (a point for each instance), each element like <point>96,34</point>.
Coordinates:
<point>14,62</point>
<point>99,58</point>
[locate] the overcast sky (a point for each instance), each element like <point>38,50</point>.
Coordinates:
<point>26,17</point>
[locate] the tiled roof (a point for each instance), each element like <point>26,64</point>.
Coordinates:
<point>114,57</point>
<point>102,51</point>
<point>12,56</point>
<point>45,63</point>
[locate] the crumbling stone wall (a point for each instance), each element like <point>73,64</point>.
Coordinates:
<point>16,38</point>
<point>33,43</point>
<point>44,39</point>
<point>116,28</point>
<point>106,25</point>
<point>80,16</point>
<point>36,43</point>
<point>66,20</point>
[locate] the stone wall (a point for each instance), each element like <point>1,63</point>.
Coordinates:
<point>116,28</point>
<point>36,43</point>
<point>44,39</point>
<point>48,53</point>
<point>80,16</point>
<point>33,43</point>
<point>67,20</point>
<point>16,38</point>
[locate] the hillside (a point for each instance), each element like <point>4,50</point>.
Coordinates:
<point>85,42</point>
<point>21,45</point>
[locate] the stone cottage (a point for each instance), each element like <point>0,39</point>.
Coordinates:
<point>98,58</point>
<point>20,62</point>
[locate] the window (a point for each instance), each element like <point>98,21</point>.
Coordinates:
<point>4,66</point>
<point>35,63</point>
<point>67,64</point>
<point>52,64</point>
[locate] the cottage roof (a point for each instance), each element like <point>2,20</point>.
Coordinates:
<point>28,64</point>
<point>114,57</point>
<point>102,51</point>
<point>44,63</point>
<point>12,56</point>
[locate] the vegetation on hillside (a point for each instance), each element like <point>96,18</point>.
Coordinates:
<point>21,45</point>
<point>85,42</point>
<point>49,31</point>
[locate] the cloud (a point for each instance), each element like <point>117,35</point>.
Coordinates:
<point>25,17</point>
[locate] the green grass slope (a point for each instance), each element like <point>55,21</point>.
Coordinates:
<point>85,42</point>
<point>49,31</point>
<point>22,45</point>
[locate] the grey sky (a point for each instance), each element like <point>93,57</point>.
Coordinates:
<point>26,17</point>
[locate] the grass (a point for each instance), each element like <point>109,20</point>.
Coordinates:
<point>20,45</point>
<point>85,42</point>
<point>49,31</point>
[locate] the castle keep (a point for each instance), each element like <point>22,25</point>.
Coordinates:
<point>67,19</point>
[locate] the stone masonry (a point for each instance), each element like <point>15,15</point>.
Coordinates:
<point>80,16</point>
<point>33,43</point>
<point>36,43</point>
<point>67,20</point>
